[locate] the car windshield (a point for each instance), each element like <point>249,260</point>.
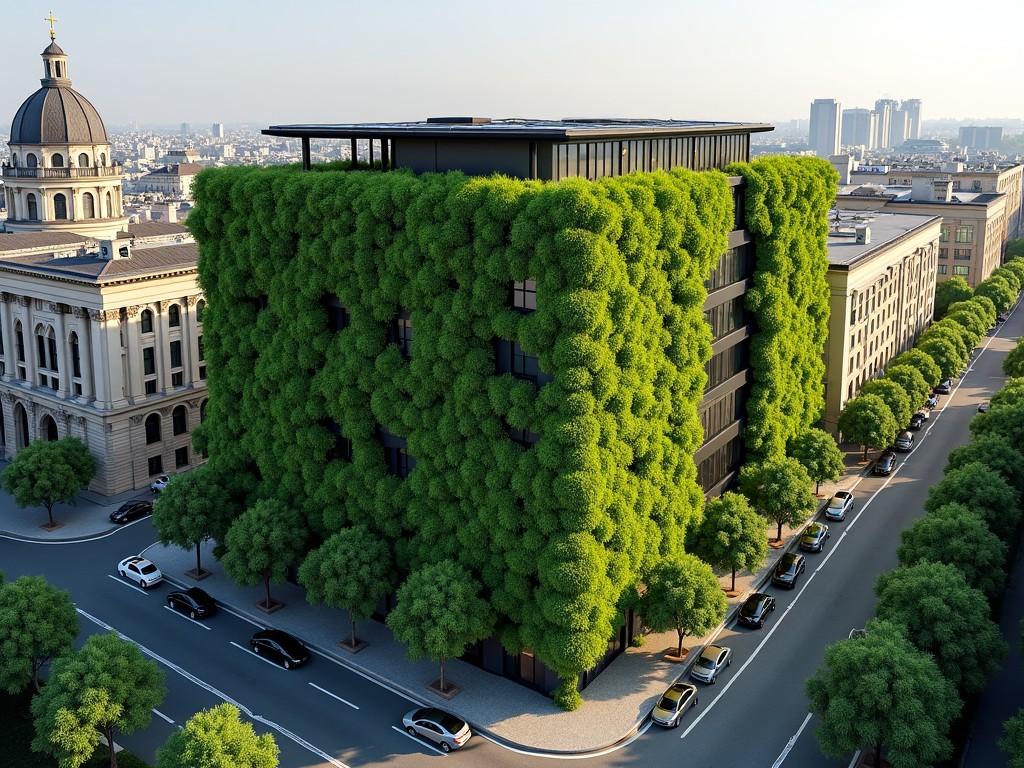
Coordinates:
<point>148,568</point>
<point>450,723</point>
<point>667,703</point>
<point>750,607</point>
<point>706,662</point>
<point>813,530</point>
<point>836,502</point>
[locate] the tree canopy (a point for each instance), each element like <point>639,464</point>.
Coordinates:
<point>779,489</point>
<point>866,419</point>
<point>983,490</point>
<point>949,291</point>
<point>947,353</point>
<point>1012,742</point>
<point>894,396</point>
<point>995,452</point>
<point>945,617</point>
<point>38,622</point>
<point>1013,363</point>
<point>218,738</point>
<point>880,691</point>
<point>262,543</point>
<point>683,595</point>
<point>191,509</point>
<point>817,452</point>
<point>999,291</point>
<point>912,382</point>
<point>1003,419</point>
<point>922,361</point>
<point>46,472</point>
<point>731,535</point>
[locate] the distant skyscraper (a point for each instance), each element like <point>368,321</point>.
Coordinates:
<point>186,129</point>
<point>899,128</point>
<point>913,109</point>
<point>858,128</point>
<point>217,130</point>
<point>884,108</point>
<point>981,137</point>
<point>826,120</point>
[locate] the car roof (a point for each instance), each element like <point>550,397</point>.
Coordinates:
<point>278,635</point>
<point>843,494</point>
<point>789,558</point>
<point>135,559</point>
<point>714,650</point>
<point>757,597</point>
<point>814,527</point>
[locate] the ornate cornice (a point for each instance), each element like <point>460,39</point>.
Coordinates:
<point>104,315</point>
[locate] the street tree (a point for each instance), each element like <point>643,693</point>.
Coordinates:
<point>1011,393</point>
<point>982,309</point>
<point>1014,249</point>
<point>218,738</point>
<point>1009,275</point>
<point>38,622</point>
<point>1013,363</point>
<point>867,420</point>
<point>1003,419</point>
<point>880,692</point>
<point>913,383</point>
<point>958,331</point>
<point>780,490</point>
<point>981,489</point>
<point>1012,742</point>
<point>951,332</point>
<point>947,354</point>
<point>949,291</point>
<point>191,510</point>
<point>731,535</point>
<point>351,570</point>
<point>970,318</point>
<point>923,362</point>
<point>683,595</point>
<point>999,291</point>
<point>47,472</point>
<point>262,544</point>
<point>956,535</point>
<point>995,452</point>
<point>987,305</point>
<point>439,613</point>
<point>894,396</point>
<point>105,688</point>
<point>945,617</point>
<point>817,452</point>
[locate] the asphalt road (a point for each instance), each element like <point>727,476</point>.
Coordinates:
<point>325,714</point>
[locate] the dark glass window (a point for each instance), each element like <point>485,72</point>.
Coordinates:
<point>341,448</point>
<point>200,310</point>
<point>734,266</point>
<point>337,317</point>
<point>175,354</point>
<point>727,364</point>
<point>400,463</point>
<point>51,344</point>
<point>727,317</point>
<point>148,361</point>
<point>41,350</point>
<point>152,429</point>
<point>156,465</point>
<point>147,321</point>
<point>720,464</point>
<point>19,340</point>
<point>202,373</point>
<point>524,294</point>
<point>721,414</point>
<point>181,457</point>
<point>179,420</point>
<point>177,379</point>
<point>202,352</point>
<point>523,366</point>
<point>76,359</point>
<point>522,436</point>
<point>174,316</point>
<point>401,334</point>
<point>151,387</point>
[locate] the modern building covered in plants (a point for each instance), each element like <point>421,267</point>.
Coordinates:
<point>538,374</point>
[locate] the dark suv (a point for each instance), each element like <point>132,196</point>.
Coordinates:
<point>886,463</point>
<point>789,568</point>
<point>943,387</point>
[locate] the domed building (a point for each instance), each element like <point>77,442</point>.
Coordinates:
<point>61,176</point>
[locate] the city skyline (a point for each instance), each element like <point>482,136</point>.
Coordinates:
<point>542,65</point>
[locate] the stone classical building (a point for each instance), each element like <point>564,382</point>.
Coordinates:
<point>100,322</point>
<point>173,181</point>
<point>882,279</point>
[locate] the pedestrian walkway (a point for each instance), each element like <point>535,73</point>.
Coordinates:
<point>614,707</point>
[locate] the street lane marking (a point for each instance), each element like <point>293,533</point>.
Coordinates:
<point>120,580</point>
<point>179,614</point>
<point>419,741</point>
<point>162,716</point>
<point>584,756</point>
<point>856,757</point>
<point>219,694</point>
<point>334,696</point>
<point>792,741</point>
<point>265,661</point>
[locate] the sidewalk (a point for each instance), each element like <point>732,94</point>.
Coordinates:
<point>614,707</point>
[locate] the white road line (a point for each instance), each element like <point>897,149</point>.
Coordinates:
<point>265,661</point>
<point>179,614</point>
<point>219,694</point>
<point>856,757</point>
<point>120,580</point>
<point>792,741</point>
<point>418,741</point>
<point>334,696</point>
<point>585,756</point>
<point>162,716</point>
<point>375,681</point>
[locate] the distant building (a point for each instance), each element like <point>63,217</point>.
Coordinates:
<point>981,137</point>
<point>899,128</point>
<point>825,129</point>
<point>186,129</point>
<point>883,126</point>
<point>913,109</point>
<point>859,128</point>
<point>217,130</point>
<point>181,156</point>
<point>173,181</point>
<point>881,275</point>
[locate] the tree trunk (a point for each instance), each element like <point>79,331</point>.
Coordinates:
<point>865,452</point>
<point>817,487</point>
<point>266,583</point>
<point>353,620</point>
<point>679,649</point>
<point>199,565</point>
<point>35,674</point>
<point>878,756</point>
<point>778,535</point>
<point>110,745</point>
<point>733,587</point>
<point>49,513</point>
<point>443,686</point>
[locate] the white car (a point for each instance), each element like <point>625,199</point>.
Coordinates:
<point>839,505</point>
<point>138,569</point>
<point>983,407</point>
<point>159,484</point>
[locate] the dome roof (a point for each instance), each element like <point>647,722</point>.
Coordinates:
<point>57,115</point>
<point>53,49</point>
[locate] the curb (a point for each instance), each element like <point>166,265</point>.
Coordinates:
<point>60,540</point>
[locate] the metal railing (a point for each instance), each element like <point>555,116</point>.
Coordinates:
<point>20,172</point>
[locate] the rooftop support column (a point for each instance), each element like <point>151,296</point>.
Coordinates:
<point>385,155</point>
<point>369,144</point>
<point>353,149</point>
<point>305,153</point>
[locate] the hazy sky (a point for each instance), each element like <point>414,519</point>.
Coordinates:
<point>308,60</point>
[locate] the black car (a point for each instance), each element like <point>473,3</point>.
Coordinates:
<point>279,647</point>
<point>943,387</point>
<point>789,568</point>
<point>917,421</point>
<point>193,602</point>
<point>1002,317</point>
<point>131,510</point>
<point>756,609</point>
<point>886,463</point>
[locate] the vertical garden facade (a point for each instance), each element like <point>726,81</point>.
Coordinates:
<point>536,379</point>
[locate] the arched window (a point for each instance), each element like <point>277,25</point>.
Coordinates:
<point>200,308</point>
<point>179,420</point>
<point>30,160</point>
<point>83,160</point>
<point>152,429</point>
<point>19,339</point>
<point>20,425</point>
<point>103,160</point>
<point>174,316</point>
<point>88,206</point>
<point>110,206</point>
<point>76,356</point>
<point>46,346</point>
<point>14,159</point>
<point>57,64</point>
<point>57,161</point>
<point>33,206</point>
<point>60,206</point>
<point>48,428</point>
<point>147,321</point>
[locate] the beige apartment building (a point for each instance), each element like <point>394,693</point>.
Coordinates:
<point>881,276</point>
<point>973,223</point>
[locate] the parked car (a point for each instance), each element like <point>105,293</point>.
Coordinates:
<point>673,703</point>
<point>193,602</point>
<point>280,647</point>
<point>1002,317</point>
<point>138,569</point>
<point>712,661</point>
<point>886,463</point>
<point>438,727</point>
<point>840,503</point>
<point>159,484</point>
<point>943,387</point>
<point>983,407</point>
<point>814,537</point>
<point>131,510</point>
<point>917,421</point>
<point>756,609</point>
<point>789,568</point>
<point>904,442</point>
<point>932,401</point>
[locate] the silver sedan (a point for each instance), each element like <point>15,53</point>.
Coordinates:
<point>437,727</point>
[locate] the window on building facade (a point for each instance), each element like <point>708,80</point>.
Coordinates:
<point>523,437</point>
<point>400,463</point>
<point>963,254</point>
<point>88,206</point>
<point>944,234</point>
<point>961,271</point>
<point>83,160</point>
<point>177,379</point>
<point>943,253</point>
<point>173,316</point>
<point>152,429</point>
<point>60,206</point>
<point>522,365</point>
<point>337,317</point>
<point>57,161</point>
<point>156,465</point>
<point>146,321</point>
<point>76,358</point>
<point>179,420</point>
<point>181,457</point>
<point>733,266</point>
<point>401,334</point>
<point>200,309</point>
<point>175,347</point>
<point>524,295</point>
<point>19,340</point>
<point>33,206</point>
<point>148,361</point>
<point>965,233</point>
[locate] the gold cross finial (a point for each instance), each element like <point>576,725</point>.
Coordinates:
<point>51,19</point>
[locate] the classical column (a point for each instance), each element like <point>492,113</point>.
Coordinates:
<point>133,347</point>
<point>163,347</point>
<point>28,333</point>
<point>84,330</point>
<point>107,358</point>
<point>10,347</point>
<point>63,353</point>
